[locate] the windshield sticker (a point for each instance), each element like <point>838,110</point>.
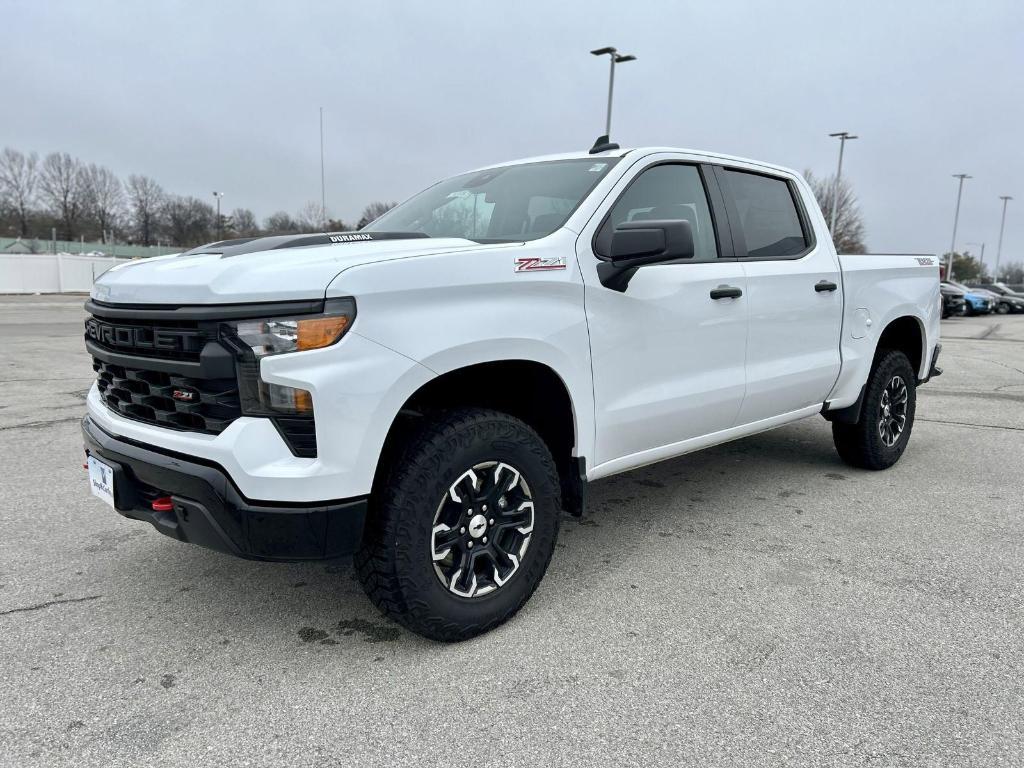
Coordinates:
<point>538,264</point>
<point>598,167</point>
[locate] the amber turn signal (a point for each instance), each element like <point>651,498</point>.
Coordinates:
<point>320,332</point>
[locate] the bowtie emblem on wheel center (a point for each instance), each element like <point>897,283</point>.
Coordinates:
<point>477,526</point>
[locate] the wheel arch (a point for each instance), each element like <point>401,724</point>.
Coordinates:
<point>905,334</point>
<point>529,390</point>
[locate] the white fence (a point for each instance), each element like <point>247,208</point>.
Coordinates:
<point>51,273</point>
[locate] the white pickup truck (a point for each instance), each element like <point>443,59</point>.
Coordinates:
<point>431,392</point>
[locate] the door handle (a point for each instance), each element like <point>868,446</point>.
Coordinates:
<point>825,285</point>
<point>726,292</point>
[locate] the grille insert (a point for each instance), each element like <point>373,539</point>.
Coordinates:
<point>149,396</point>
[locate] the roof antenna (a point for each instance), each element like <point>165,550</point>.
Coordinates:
<point>603,145</point>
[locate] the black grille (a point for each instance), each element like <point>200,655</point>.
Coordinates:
<point>167,339</point>
<point>185,371</point>
<point>168,400</point>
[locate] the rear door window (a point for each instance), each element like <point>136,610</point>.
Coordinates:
<point>768,215</point>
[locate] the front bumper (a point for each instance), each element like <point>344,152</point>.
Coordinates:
<point>209,510</point>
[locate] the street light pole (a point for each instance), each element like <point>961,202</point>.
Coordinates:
<point>323,184</point>
<point>218,196</point>
<point>616,58</point>
<point>1002,226</point>
<point>843,136</point>
<point>956,220</point>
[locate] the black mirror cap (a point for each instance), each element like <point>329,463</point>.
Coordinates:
<point>637,244</point>
<point>648,242</point>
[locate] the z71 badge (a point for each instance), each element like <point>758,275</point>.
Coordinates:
<point>537,264</point>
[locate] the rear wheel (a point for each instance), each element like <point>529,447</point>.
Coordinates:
<point>463,527</point>
<point>879,438</point>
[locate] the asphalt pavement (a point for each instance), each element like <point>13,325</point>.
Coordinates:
<point>759,603</point>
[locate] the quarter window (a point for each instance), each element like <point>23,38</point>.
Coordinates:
<point>670,191</point>
<point>768,215</point>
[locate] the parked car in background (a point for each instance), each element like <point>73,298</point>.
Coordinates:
<point>953,301</point>
<point>976,302</point>
<point>1001,305</point>
<point>1013,299</point>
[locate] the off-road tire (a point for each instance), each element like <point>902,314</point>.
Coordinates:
<point>861,444</point>
<point>394,563</point>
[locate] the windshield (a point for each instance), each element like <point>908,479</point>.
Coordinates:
<point>506,204</point>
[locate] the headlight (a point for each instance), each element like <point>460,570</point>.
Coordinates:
<point>252,340</point>
<point>278,335</point>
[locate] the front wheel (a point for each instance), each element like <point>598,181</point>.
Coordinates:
<point>1002,309</point>
<point>464,525</point>
<point>880,436</point>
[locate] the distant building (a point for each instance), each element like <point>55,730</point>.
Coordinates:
<point>19,246</point>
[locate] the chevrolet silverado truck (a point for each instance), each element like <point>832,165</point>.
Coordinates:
<point>432,392</point>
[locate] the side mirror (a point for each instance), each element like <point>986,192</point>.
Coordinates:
<point>638,244</point>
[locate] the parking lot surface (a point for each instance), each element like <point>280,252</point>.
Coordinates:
<point>756,603</point>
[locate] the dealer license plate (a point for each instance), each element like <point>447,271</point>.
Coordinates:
<point>101,480</point>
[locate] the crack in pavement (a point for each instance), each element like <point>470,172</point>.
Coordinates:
<point>991,329</point>
<point>56,378</point>
<point>40,424</point>
<point>993,394</point>
<point>49,603</point>
<point>969,424</point>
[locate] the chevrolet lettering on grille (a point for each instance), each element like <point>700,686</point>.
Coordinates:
<point>142,339</point>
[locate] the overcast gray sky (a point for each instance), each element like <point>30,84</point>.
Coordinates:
<point>225,95</point>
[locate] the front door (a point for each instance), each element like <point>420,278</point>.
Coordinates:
<point>668,359</point>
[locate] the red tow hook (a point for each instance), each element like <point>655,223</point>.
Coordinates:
<point>162,504</point>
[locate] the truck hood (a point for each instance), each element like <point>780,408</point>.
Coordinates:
<point>281,268</point>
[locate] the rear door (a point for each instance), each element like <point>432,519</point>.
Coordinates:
<point>794,294</point>
<point>667,357</point>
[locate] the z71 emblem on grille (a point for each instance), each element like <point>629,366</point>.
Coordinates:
<point>184,395</point>
<point>537,264</point>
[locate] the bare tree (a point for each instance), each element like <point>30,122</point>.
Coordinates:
<point>1012,273</point>
<point>849,230</point>
<point>104,198</point>
<point>146,199</point>
<point>280,223</point>
<point>311,217</point>
<point>374,211</point>
<point>189,221</point>
<point>243,223</point>
<point>18,177</point>
<point>62,182</point>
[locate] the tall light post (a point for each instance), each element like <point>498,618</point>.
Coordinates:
<point>616,58</point>
<point>323,183</point>
<point>218,196</point>
<point>1002,226</point>
<point>956,220</point>
<point>843,136</point>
